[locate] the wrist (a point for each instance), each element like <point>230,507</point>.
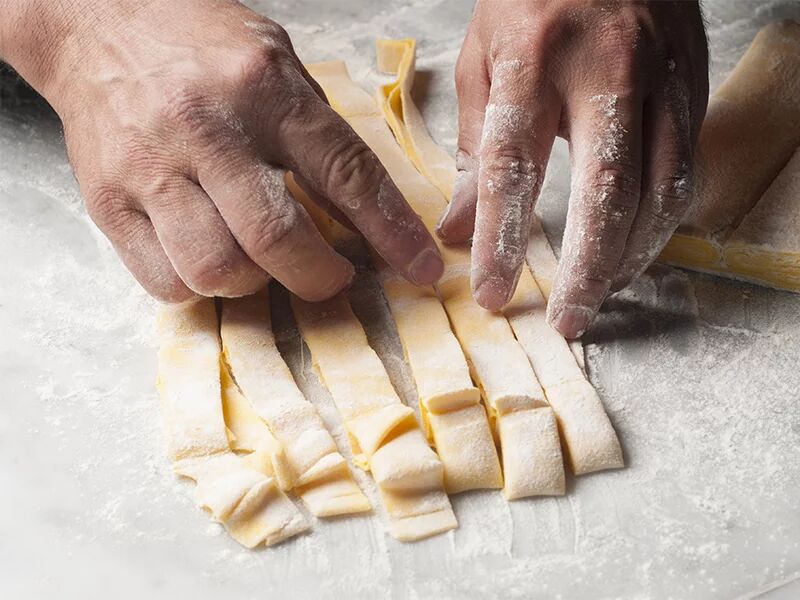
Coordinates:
<point>43,39</point>
<point>32,33</point>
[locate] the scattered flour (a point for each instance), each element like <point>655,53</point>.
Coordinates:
<point>699,376</point>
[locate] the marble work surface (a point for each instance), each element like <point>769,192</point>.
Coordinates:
<point>700,376</point>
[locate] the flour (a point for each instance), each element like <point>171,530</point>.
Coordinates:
<point>699,376</point>
<point>609,146</point>
<point>502,121</point>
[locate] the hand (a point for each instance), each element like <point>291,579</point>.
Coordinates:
<point>627,84</point>
<point>180,117</point>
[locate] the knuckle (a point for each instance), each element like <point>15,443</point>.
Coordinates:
<point>107,204</point>
<point>184,105</point>
<point>670,198</point>
<point>465,161</point>
<point>147,169</point>
<point>509,154</point>
<point>211,273</point>
<point>292,105</point>
<point>158,185</point>
<point>268,236</point>
<point>353,169</point>
<point>263,65</point>
<point>199,116</point>
<point>278,33</point>
<point>511,169</point>
<point>617,185</point>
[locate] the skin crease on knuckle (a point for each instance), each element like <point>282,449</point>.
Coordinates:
<point>512,181</point>
<point>350,167</point>
<point>268,235</point>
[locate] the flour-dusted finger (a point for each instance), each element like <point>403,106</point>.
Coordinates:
<point>323,150</point>
<point>605,146</point>
<point>198,242</point>
<point>472,87</point>
<point>324,203</point>
<point>520,125</point>
<point>274,231</point>
<point>131,233</point>
<point>666,181</point>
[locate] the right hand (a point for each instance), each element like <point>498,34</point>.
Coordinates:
<point>627,84</point>
<point>180,117</point>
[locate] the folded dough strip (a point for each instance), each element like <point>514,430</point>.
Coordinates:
<point>449,403</point>
<point>240,493</point>
<point>383,432</point>
<point>315,469</point>
<point>766,246</point>
<point>751,131</point>
<point>589,437</point>
<point>531,459</point>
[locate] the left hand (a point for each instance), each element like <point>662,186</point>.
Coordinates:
<point>627,84</point>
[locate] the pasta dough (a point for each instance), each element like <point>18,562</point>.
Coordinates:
<point>589,437</point>
<point>247,432</point>
<point>316,470</point>
<point>766,246</point>
<point>497,361</point>
<point>383,432</point>
<point>751,130</point>
<point>450,405</point>
<point>239,494</point>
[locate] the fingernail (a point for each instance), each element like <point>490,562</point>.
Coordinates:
<point>491,293</point>
<point>427,267</point>
<point>572,321</point>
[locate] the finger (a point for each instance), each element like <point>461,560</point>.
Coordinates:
<point>605,134</point>
<point>271,227</point>
<point>666,182</point>
<point>287,42</point>
<point>325,204</point>
<point>518,132</point>
<point>472,87</point>
<point>312,82</point>
<point>199,244</point>
<point>133,237</point>
<point>338,165</point>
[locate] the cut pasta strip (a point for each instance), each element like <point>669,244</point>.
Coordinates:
<point>189,381</point>
<point>383,432</point>
<point>542,263</point>
<point>590,439</point>
<point>450,405</point>
<point>249,433</point>
<point>589,436</point>
<point>248,503</point>
<point>245,499</point>
<point>269,397</point>
<point>497,361</point>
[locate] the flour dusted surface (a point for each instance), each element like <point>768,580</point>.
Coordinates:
<point>698,374</point>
